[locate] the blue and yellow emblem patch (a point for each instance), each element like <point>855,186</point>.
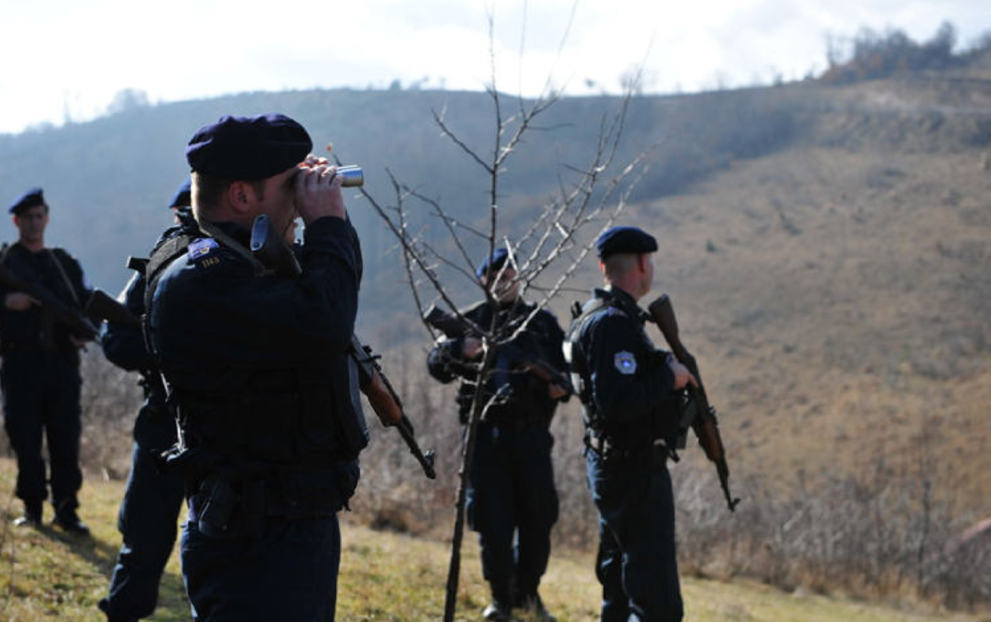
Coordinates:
<point>200,251</point>
<point>626,363</point>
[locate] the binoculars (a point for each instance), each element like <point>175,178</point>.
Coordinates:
<point>352,174</point>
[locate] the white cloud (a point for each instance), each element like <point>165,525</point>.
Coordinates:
<point>60,55</point>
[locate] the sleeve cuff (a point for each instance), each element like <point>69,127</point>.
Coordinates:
<point>326,227</point>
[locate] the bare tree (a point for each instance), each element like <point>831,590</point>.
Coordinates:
<point>545,254</point>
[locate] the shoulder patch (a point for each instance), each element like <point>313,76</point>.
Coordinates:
<point>615,312</point>
<point>625,362</point>
<point>201,250</point>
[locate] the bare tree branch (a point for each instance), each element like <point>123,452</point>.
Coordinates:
<point>550,248</point>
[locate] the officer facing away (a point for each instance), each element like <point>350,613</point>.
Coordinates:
<point>153,497</point>
<point>256,367</point>
<point>40,374</point>
<point>511,499</point>
<point>631,396</point>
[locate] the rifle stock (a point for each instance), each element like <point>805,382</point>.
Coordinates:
<point>445,323</point>
<point>271,249</point>
<point>706,424</point>
<point>101,306</point>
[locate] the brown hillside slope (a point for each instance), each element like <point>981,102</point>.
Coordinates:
<point>838,301</point>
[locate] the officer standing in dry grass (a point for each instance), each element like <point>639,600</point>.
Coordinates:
<point>630,392</point>
<point>40,337</point>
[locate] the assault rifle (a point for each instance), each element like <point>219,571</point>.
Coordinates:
<point>75,320</point>
<point>453,328</point>
<point>272,251</point>
<point>386,403</point>
<point>705,424</point>
<point>101,306</point>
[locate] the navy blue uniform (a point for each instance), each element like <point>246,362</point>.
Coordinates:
<point>40,378</point>
<point>626,389</point>
<point>153,497</point>
<point>511,489</point>
<point>257,370</point>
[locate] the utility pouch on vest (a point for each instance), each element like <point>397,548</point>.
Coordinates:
<point>314,493</point>
<point>218,506</point>
<point>670,422</point>
<point>354,430</point>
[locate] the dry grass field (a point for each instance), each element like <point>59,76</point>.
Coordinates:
<point>389,577</point>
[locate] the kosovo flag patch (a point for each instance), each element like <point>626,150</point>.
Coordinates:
<point>626,363</point>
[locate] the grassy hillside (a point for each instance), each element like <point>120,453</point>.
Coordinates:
<point>47,575</point>
<point>838,302</point>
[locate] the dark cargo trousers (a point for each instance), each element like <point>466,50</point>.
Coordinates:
<point>41,397</point>
<point>637,563</point>
<point>512,504</point>
<point>288,572</point>
<point>147,519</point>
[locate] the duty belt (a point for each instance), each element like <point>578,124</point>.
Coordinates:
<point>606,449</point>
<point>518,424</point>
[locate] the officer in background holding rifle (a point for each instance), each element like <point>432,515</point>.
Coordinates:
<point>42,328</point>
<point>511,493</point>
<point>633,412</point>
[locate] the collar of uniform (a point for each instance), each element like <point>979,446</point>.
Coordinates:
<point>605,294</point>
<point>517,307</point>
<point>18,247</point>
<point>619,294</point>
<point>235,231</point>
<point>625,301</point>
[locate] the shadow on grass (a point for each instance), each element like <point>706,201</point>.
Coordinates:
<point>97,555</point>
<point>172,603</point>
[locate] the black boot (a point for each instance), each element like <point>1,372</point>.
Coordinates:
<point>104,606</point>
<point>32,515</point>
<point>499,610</point>
<point>68,520</point>
<point>532,603</point>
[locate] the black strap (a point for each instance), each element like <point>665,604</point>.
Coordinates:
<point>217,234</point>
<point>580,377</point>
<point>65,278</point>
<point>164,254</point>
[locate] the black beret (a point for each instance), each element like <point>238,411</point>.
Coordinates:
<point>181,198</point>
<point>29,199</point>
<point>248,148</point>
<point>498,258</point>
<point>625,240</point>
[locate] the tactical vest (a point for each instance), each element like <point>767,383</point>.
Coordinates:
<point>287,431</point>
<point>581,378</point>
<point>665,424</point>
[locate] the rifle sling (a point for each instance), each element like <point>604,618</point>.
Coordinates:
<point>65,278</point>
<point>214,232</point>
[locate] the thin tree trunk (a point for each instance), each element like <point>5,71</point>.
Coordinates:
<point>454,569</point>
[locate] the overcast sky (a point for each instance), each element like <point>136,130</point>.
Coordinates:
<point>66,59</point>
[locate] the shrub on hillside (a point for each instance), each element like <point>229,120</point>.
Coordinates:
<point>877,55</point>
